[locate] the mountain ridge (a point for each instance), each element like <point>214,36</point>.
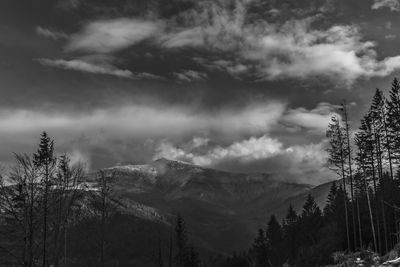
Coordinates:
<point>223,210</point>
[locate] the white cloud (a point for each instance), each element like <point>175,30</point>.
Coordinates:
<point>144,121</point>
<point>190,76</point>
<point>261,49</point>
<point>238,139</point>
<point>118,132</point>
<point>390,36</point>
<point>96,67</point>
<point>270,51</point>
<point>305,163</point>
<point>393,5</point>
<point>77,157</point>
<point>185,37</point>
<point>314,121</point>
<point>212,24</point>
<point>81,65</point>
<point>48,33</point>
<point>200,141</point>
<point>294,50</point>
<point>245,150</point>
<point>106,36</point>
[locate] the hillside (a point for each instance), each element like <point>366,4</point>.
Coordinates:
<point>222,209</point>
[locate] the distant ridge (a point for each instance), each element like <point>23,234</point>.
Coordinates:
<point>222,209</point>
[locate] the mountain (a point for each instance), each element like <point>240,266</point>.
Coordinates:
<point>222,210</point>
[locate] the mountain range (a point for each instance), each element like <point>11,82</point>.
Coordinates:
<point>222,210</point>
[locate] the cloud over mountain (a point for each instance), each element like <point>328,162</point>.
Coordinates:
<point>242,85</point>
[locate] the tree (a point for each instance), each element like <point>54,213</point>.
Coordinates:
<point>348,150</point>
<point>65,194</point>
<point>260,249</point>
<point>274,238</point>
<point>193,257</point>
<point>337,157</point>
<point>393,120</point>
<point>368,163</point>
<point>333,222</point>
<point>45,162</point>
<point>330,207</point>
<point>181,241</point>
<point>16,210</point>
<point>104,205</point>
<point>366,166</point>
<point>290,234</point>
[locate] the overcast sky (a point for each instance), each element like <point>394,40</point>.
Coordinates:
<point>244,86</point>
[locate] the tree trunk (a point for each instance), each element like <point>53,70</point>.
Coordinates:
<point>350,175</point>
<point>359,223</point>
<point>44,264</point>
<point>371,216</point>
<point>345,192</point>
<point>103,217</point>
<point>384,226</point>
<point>376,201</point>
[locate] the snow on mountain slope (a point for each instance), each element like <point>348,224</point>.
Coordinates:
<point>222,209</point>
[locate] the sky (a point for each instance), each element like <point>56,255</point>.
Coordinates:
<point>242,86</point>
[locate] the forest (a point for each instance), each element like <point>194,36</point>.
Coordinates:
<point>360,221</point>
<point>50,214</point>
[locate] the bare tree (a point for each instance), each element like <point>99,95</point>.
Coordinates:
<point>104,204</point>
<point>19,203</point>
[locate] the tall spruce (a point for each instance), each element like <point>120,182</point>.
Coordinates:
<point>45,161</point>
<point>393,120</point>
<point>330,207</point>
<point>365,163</point>
<point>337,156</point>
<point>290,234</point>
<point>274,237</point>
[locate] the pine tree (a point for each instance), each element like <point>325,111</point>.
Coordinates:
<point>290,235</point>
<point>337,157</point>
<point>274,237</point>
<point>338,207</point>
<point>44,160</point>
<point>260,249</point>
<point>366,141</point>
<point>333,216</point>
<point>311,220</point>
<point>181,241</point>
<point>365,164</point>
<point>310,224</point>
<point>393,120</point>
<point>330,207</point>
<point>377,113</point>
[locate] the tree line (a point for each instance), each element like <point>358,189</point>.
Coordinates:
<point>362,211</point>
<point>367,160</point>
